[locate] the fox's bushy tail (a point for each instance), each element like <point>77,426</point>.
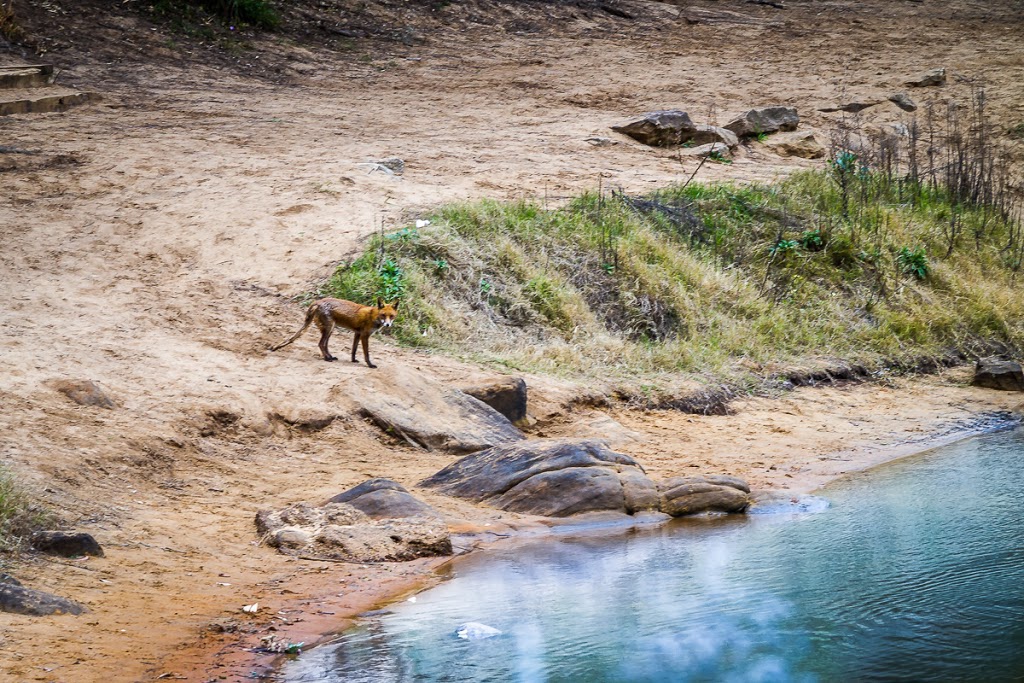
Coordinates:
<point>309,320</point>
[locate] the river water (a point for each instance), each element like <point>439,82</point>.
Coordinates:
<point>915,572</point>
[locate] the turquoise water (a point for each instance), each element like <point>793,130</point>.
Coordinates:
<point>914,573</point>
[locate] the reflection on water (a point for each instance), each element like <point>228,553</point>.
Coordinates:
<point>915,573</point>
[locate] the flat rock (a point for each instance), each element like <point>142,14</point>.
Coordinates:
<point>852,107</point>
<point>45,104</point>
<point>551,477</point>
<point>17,599</point>
<point>803,144</point>
<point>66,544</point>
<point>764,120</point>
<point>384,499</point>
<point>507,395</point>
<point>84,392</point>
<point>694,495</point>
<point>340,531</point>
<point>432,416</point>
<point>660,128</point>
<point>929,78</point>
<point>998,373</point>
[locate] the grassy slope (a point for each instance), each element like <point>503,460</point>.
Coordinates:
<point>713,282</point>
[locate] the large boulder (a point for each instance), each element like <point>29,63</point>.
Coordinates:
<point>551,477</point>
<point>66,544</point>
<point>903,101</point>
<point>998,373</point>
<point>384,499</point>
<point>340,531</point>
<point>507,396</point>
<point>17,599</point>
<point>660,128</point>
<point>801,143</point>
<point>693,495</point>
<point>764,120</point>
<point>432,416</point>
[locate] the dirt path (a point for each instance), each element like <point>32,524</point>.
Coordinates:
<point>154,245</point>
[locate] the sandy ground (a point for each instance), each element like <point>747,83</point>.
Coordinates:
<point>154,245</point>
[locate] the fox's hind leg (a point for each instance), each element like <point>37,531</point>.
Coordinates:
<point>326,326</point>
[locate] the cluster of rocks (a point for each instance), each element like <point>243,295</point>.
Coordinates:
<point>380,520</point>
<point>674,127</point>
<point>774,126</point>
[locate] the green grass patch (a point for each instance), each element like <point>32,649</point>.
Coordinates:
<point>19,515</point>
<point>704,281</point>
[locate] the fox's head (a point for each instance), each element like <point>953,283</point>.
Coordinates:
<point>385,313</point>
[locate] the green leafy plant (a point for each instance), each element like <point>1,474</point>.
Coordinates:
<point>812,240</point>
<point>719,157</point>
<point>441,265</point>
<point>913,262</point>
<point>783,247</point>
<point>392,278</point>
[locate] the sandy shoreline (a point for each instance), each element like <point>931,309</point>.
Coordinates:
<point>953,412</point>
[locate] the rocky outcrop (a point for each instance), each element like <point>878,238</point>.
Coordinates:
<point>66,544</point>
<point>507,396</point>
<point>384,499</point>
<point>927,79</point>
<point>998,373</point>
<point>563,477</point>
<point>690,495</point>
<point>764,120</point>
<point>17,599</point>
<point>801,144</point>
<point>660,128</point>
<point>84,392</point>
<point>432,416</point>
<point>389,526</point>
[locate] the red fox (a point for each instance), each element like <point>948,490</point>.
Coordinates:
<point>363,320</point>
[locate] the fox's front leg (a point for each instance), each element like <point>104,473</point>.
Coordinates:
<point>366,349</point>
<point>355,347</point>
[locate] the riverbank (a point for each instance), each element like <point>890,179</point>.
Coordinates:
<point>795,443</point>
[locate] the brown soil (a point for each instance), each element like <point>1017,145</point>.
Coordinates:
<point>155,242</point>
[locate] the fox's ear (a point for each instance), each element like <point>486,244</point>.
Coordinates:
<point>380,303</point>
<point>395,305</point>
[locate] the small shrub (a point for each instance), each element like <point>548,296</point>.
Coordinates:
<point>812,240</point>
<point>913,262</point>
<point>19,517</point>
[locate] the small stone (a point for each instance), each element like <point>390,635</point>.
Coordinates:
<point>764,120</point>
<point>998,373</point>
<point>711,134</point>
<point>660,128</point>
<point>17,599</point>
<point>291,537</point>
<point>66,544</point>
<point>508,396</point>
<point>801,144</point>
<point>84,392</point>
<point>903,101</point>
<point>929,78</point>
